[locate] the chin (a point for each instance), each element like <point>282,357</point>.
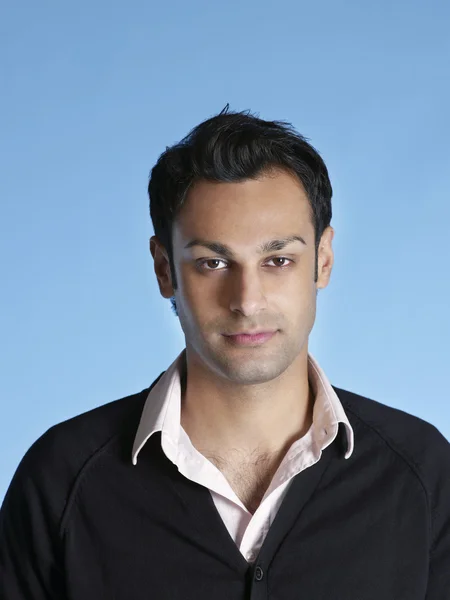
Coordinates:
<point>243,368</point>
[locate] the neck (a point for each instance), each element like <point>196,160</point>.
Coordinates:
<point>266,417</point>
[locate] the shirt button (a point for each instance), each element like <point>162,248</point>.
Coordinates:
<point>250,556</point>
<point>259,573</point>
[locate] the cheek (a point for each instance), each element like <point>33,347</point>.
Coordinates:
<point>196,293</point>
<point>294,289</point>
<point>297,301</point>
<point>198,290</point>
<point>196,302</point>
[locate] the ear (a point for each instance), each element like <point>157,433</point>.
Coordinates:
<point>161,266</point>
<point>325,258</point>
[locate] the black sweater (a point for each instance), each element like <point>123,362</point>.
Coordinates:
<point>80,522</point>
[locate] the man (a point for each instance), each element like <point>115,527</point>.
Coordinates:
<point>241,472</point>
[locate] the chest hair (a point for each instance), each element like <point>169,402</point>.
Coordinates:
<point>249,476</point>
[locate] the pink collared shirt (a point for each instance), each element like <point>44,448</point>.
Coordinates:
<point>162,412</point>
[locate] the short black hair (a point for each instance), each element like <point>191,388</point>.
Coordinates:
<point>232,147</point>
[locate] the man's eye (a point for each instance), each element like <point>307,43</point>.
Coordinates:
<point>281,258</point>
<point>213,263</point>
<point>210,260</point>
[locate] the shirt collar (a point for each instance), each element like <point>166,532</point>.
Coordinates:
<point>162,409</point>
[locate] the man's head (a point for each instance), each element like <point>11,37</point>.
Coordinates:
<point>233,185</point>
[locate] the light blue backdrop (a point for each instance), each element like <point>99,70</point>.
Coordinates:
<point>92,92</point>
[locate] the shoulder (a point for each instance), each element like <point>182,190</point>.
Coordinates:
<point>76,440</point>
<point>53,462</point>
<point>402,428</point>
<point>419,443</point>
<point>50,469</point>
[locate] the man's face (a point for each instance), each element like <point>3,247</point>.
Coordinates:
<point>222,294</point>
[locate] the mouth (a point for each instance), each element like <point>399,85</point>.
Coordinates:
<point>250,339</point>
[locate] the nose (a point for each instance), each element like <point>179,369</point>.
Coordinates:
<point>247,293</point>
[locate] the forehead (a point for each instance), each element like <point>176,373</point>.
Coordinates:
<point>245,212</point>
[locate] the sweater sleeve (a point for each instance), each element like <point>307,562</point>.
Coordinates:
<point>439,567</point>
<point>30,564</point>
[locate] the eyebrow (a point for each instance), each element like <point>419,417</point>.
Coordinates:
<point>263,248</point>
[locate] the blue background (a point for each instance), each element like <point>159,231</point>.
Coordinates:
<point>93,92</point>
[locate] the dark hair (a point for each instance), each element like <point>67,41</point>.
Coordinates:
<point>231,147</point>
